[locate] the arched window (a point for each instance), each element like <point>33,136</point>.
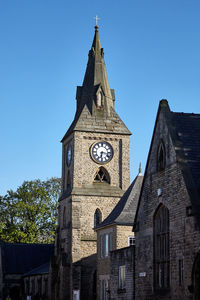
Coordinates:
<point>64,217</point>
<point>68,179</point>
<point>161,248</point>
<point>100,99</point>
<point>102,175</point>
<point>97,217</point>
<point>161,157</point>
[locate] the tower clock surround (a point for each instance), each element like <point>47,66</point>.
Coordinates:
<point>101,152</point>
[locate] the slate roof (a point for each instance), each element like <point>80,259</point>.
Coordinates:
<point>188,130</point>
<point>185,132</point>
<point>43,269</point>
<point>124,212</point>
<point>21,258</point>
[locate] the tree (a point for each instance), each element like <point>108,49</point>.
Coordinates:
<point>29,214</point>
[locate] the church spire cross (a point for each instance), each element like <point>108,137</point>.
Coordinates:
<point>96,19</point>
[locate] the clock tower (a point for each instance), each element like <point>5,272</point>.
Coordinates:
<point>95,174</point>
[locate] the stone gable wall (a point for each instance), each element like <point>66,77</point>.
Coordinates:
<point>184,236</point>
<point>123,232</point>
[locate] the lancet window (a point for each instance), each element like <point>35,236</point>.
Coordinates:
<point>161,248</point>
<point>161,159</point>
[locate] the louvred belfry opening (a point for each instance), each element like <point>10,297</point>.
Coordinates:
<point>102,175</point>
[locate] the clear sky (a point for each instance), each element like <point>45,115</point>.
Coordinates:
<point>152,51</point>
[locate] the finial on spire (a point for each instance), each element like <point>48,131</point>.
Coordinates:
<point>96,19</point>
<point>140,168</point>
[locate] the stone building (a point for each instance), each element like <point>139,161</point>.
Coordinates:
<point>167,222</point>
<point>36,283</point>
<point>122,273</point>
<point>95,174</point>
<point>115,232</point>
<point>16,260</point>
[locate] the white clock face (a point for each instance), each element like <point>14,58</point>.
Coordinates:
<point>69,154</point>
<point>101,152</point>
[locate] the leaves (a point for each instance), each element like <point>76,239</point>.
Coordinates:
<point>29,214</point>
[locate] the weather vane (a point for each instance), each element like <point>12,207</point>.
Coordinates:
<point>96,19</point>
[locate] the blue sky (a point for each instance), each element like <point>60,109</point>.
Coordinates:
<point>151,52</point>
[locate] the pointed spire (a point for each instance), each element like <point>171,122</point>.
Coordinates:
<point>96,45</point>
<point>95,80</point>
<point>95,99</point>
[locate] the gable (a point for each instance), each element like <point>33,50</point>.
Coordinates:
<point>180,135</point>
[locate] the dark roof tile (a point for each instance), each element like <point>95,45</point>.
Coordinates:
<point>21,258</point>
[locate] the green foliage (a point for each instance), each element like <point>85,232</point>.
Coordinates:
<point>29,214</point>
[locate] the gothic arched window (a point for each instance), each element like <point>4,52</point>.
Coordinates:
<point>161,157</point>
<point>102,175</point>
<point>64,217</point>
<point>97,217</point>
<point>68,179</point>
<point>100,99</point>
<point>161,248</point>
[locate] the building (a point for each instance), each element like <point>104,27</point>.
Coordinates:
<point>122,272</point>
<point>114,233</point>
<point>36,283</point>
<point>167,221</point>
<point>95,174</point>
<point>15,261</point>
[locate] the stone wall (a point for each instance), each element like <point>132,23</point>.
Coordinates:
<point>119,239</point>
<point>122,257</point>
<point>165,187</point>
<point>36,286</point>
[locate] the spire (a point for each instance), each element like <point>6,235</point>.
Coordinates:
<point>95,100</point>
<point>96,45</point>
<point>95,81</point>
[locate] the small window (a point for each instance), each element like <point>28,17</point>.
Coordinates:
<point>68,179</point>
<point>33,286</point>
<point>64,217</point>
<point>131,240</point>
<point>40,286</point>
<point>104,290</point>
<point>45,286</point>
<point>102,175</point>
<point>122,277</point>
<point>181,272</point>
<point>161,157</point>
<point>110,242</point>
<point>27,287</point>
<point>97,217</point>
<point>100,99</point>
<point>105,245</point>
<point>101,246</point>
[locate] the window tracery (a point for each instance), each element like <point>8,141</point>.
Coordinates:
<point>102,175</point>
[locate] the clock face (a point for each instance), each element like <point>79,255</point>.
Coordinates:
<point>101,152</point>
<point>69,154</point>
